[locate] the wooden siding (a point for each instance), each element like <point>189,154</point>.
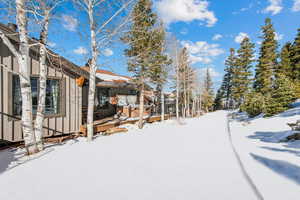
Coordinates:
<point>70,121</point>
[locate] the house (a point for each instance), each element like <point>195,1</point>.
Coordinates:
<point>115,94</point>
<point>63,112</point>
<point>66,93</point>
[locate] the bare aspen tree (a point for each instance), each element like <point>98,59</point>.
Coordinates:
<point>96,27</point>
<point>44,10</point>
<point>177,81</point>
<point>22,55</point>
<point>182,70</point>
<point>173,47</point>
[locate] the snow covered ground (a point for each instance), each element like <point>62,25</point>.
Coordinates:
<point>194,160</point>
<point>274,166</point>
<point>163,161</point>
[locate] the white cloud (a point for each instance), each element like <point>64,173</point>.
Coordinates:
<point>185,10</point>
<point>80,51</point>
<point>296,6</point>
<point>274,8</point>
<point>108,52</point>
<point>213,73</point>
<point>244,9</point>
<point>51,44</point>
<point>278,36</point>
<point>240,37</point>
<point>217,37</point>
<point>70,23</point>
<point>202,51</point>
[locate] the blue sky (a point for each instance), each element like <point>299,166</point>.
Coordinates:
<point>208,28</point>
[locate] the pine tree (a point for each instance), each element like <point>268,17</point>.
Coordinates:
<point>267,59</point>
<point>141,39</point>
<point>208,93</point>
<point>282,95</point>
<point>285,64</point>
<point>227,79</point>
<point>159,62</point>
<point>218,103</point>
<point>242,71</point>
<point>295,57</point>
<point>254,104</point>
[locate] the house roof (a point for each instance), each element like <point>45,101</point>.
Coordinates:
<point>109,76</point>
<point>54,60</point>
<point>111,79</point>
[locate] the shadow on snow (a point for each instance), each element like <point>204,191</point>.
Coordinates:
<point>282,168</point>
<point>271,137</point>
<point>294,152</point>
<point>12,158</point>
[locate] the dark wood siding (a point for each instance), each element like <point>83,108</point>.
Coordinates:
<point>68,121</point>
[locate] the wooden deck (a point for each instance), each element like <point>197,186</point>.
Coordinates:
<point>106,124</point>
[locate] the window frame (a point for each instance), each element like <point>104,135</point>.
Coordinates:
<point>98,91</point>
<point>62,102</point>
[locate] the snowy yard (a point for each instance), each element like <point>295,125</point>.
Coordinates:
<point>163,161</point>
<point>274,166</point>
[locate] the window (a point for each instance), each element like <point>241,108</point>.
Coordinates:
<point>102,97</point>
<point>125,100</point>
<point>52,101</point>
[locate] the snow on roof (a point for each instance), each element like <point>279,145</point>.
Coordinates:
<point>109,76</point>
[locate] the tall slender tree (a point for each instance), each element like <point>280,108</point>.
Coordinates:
<point>227,83</point>
<point>46,10</point>
<point>267,59</point>
<point>242,71</point>
<point>102,27</point>
<point>183,68</point>
<point>22,55</point>
<point>160,62</point>
<point>208,92</point>
<point>142,45</point>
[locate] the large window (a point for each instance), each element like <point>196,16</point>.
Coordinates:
<point>102,97</point>
<point>53,96</point>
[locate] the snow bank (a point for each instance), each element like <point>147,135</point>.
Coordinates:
<point>274,165</point>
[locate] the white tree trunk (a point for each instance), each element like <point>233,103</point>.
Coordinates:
<point>92,80</point>
<point>184,93</point>
<point>23,61</point>
<point>162,106</point>
<point>177,87</point>
<point>141,106</point>
<point>38,128</point>
<point>188,96</point>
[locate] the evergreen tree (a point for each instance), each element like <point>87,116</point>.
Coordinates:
<point>142,41</point>
<point>267,59</point>
<point>218,103</point>
<point>227,79</point>
<point>285,64</point>
<point>160,62</point>
<point>242,71</point>
<point>282,95</point>
<point>254,104</point>
<point>208,93</point>
<point>295,57</point>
